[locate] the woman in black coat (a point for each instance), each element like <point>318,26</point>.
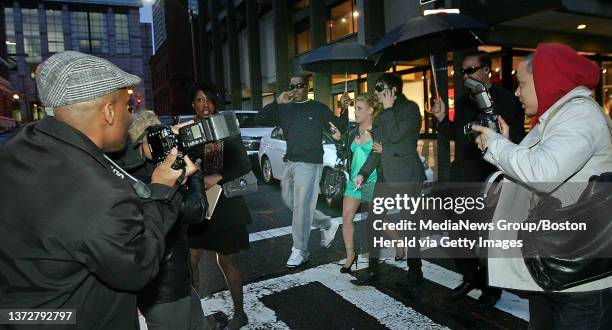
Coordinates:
<point>226,234</point>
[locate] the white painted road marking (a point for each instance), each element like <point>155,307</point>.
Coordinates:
<point>509,303</point>
<point>388,311</point>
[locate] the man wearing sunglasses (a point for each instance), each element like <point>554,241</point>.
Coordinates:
<point>303,122</point>
<point>469,166</point>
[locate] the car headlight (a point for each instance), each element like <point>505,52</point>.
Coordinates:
<point>251,143</point>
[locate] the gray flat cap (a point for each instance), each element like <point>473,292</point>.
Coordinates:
<point>71,77</point>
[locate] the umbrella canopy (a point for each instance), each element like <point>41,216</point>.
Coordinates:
<point>341,57</point>
<point>423,35</point>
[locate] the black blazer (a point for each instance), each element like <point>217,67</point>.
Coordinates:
<point>468,165</point>
<point>397,129</point>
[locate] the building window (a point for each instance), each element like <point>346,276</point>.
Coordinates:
<point>97,29</point>
<point>31,35</point>
<point>342,20</point>
<point>55,31</point>
<point>301,4</point>
<point>122,36</point>
<point>9,23</point>
<point>302,36</point>
<point>91,32</point>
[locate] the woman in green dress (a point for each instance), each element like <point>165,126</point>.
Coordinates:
<point>357,146</point>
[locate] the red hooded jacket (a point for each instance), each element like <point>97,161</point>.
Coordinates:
<point>557,69</point>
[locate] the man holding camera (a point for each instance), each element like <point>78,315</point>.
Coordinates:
<point>468,165</point>
<point>303,122</point>
<point>84,235</point>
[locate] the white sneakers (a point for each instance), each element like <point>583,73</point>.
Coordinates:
<point>296,258</point>
<point>327,235</point>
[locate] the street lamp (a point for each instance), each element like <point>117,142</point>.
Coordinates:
<point>191,13</point>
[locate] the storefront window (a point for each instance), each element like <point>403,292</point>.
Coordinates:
<point>606,82</point>
<point>342,20</point>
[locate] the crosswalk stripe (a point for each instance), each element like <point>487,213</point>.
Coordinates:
<point>388,311</point>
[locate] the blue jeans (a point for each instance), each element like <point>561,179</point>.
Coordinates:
<point>300,190</point>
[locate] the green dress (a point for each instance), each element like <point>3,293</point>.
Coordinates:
<point>360,151</point>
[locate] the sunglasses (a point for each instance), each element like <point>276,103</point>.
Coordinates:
<point>380,87</point>
<point>298,86</point>
<point>471,70</point>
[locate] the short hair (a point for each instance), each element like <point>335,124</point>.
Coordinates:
<point>391,81</point>
<point>140,121</point>
<point>529,63</point>
<point>372,101</point>
<point>484,58</point>
<point>210,90</point>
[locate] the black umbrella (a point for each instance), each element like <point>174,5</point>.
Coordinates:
<point>342,57</point>
<point>426,35</point>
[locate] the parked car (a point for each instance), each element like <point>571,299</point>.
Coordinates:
<point>251,133</point>
<point>272,150</point>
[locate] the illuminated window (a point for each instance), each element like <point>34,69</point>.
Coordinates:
<point>302,37</point>
<point>9,23</point>
<point>55,31</point>
<point>343,20</point>
<point>31,35</point>
<point>122,36</point>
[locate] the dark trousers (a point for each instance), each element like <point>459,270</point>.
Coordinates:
<point>576,311</point>
<point>383,189</point>
<point>473,269</point>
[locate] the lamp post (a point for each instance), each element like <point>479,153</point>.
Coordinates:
<point>191,13</point>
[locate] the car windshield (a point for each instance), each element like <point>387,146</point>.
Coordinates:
<point>246,119</point>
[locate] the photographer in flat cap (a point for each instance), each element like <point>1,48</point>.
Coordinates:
<point>84,234</point>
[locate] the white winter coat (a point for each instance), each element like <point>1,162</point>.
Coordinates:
<point>576,145</point>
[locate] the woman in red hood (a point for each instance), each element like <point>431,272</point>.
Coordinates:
<point>568,143</point>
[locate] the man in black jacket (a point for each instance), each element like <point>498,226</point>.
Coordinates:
<point>397,130</point>
<point>469,166</point>
<point>303,122</point>
<point>82,235</point>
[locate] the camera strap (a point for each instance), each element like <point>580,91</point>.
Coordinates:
<point>141,189</point>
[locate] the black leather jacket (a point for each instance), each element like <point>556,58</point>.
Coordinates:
<point>344,151</point>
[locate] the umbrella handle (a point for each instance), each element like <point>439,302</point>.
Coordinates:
<point>435,81</point>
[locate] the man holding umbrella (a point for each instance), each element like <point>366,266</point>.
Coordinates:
<point>303,122</point>
<point>469,166</point>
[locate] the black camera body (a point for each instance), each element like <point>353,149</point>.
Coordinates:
<point>485,103</point>
<point>161,139</point>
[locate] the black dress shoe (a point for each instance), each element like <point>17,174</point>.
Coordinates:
<point>369,278</point>
<point>487,300</point>
<point>462,290</point>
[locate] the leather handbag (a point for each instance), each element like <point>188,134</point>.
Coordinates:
<point>245,184</point>
<point>561,259</point>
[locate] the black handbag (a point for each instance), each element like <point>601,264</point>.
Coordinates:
<point>245,184</point>
<point>558,260</point>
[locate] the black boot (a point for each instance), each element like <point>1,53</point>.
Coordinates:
<point>371,275</point>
